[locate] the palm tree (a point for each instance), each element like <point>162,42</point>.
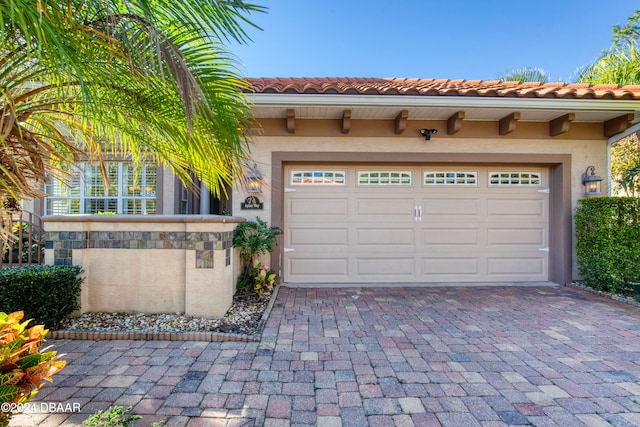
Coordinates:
<point>524,74</point>
<point>151,78</point>
<point>619,65</point>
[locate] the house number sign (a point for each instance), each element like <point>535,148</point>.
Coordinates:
<point>251,203</point>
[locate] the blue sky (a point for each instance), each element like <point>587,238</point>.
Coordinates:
<point>442,39</point>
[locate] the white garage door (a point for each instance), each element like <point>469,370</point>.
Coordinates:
<point>359,224</point>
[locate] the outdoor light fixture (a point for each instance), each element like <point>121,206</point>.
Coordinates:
<point>591,182</point>
<point>427,133</point>
<point>254,180</point>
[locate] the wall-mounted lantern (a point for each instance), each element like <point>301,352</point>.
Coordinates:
<point>254,180</point>
<point>591,182</point>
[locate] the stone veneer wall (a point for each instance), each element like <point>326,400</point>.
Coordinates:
<point>150,264</point>
<point>64,242</point>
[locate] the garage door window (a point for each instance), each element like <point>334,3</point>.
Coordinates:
<point>385,178</point>
<point>450,178</point>
<point>318,177</point>
<point>515,178</point>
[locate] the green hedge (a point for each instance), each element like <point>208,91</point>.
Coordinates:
<point>46,293</point>
<point>608,242</point>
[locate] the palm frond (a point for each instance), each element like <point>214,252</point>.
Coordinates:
<point>525,74</point>
<point>145,77</point>
<point>620,65</point>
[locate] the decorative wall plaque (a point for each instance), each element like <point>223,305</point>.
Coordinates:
<point>251,203</point>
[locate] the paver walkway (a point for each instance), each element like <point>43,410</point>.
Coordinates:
<point>465,356</point>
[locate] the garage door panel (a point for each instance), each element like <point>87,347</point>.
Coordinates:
<point>516,207</point>
<point>448,207</point>
<point>451,237</point>
<point>384,207</point>
<point>319,268</point>
<point>515,266</point>
<point>395,237</point>
<point>386,267</point>
<point>308,237</point>
<point>439,266</point>
<point>516,236</point>
<point>307,206</point>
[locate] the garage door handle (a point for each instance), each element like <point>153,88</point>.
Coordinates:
<point>417,213</point>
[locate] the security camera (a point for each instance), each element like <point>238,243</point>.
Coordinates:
<point>427,133</point>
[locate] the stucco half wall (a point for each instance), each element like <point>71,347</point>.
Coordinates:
<point>149,264</point>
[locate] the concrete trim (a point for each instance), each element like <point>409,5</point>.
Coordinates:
<point>145,219</point>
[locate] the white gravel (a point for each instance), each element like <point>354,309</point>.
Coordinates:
<point>243,317</point>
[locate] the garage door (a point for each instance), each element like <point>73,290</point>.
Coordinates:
<point>359,224</point>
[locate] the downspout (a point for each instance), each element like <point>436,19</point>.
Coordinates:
<point>615,138</point>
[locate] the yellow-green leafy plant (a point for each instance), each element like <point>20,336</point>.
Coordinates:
<point>24,365</point>
<point>264,279</point>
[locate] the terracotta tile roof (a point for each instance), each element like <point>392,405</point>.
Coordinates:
<point>433,87</point>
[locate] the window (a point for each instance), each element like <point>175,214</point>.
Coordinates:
<point>130,190</point>
<point>184,200</point>
<point>450,178</point>
<point>515,178</point>
<point>318,177</point>
<point>385,178</point>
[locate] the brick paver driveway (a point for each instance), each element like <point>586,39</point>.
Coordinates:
<point>464,356</point>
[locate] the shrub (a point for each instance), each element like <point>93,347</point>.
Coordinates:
<point>46,293</point>
<point>114,416</point>
<point>608,242</point>
<point>23,366</point>
<point>255,238</point>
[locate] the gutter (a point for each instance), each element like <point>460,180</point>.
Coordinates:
<point>343,100</point>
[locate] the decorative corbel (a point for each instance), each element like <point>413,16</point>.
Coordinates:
<point>617,125</point>
<point>291,120</point>
<point>401,121</point>
<point>561,124</point>
<point>507,124</point>
<point>346,121</point>
<point>454,123</point>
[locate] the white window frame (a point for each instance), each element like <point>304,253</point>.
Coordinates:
<point>76,191</point>
<point>370,180</point>
<point>319,177</point>
<point>514,179</point>
<point>450,178</point>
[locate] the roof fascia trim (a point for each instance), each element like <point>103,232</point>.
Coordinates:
<point>272,99</point>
